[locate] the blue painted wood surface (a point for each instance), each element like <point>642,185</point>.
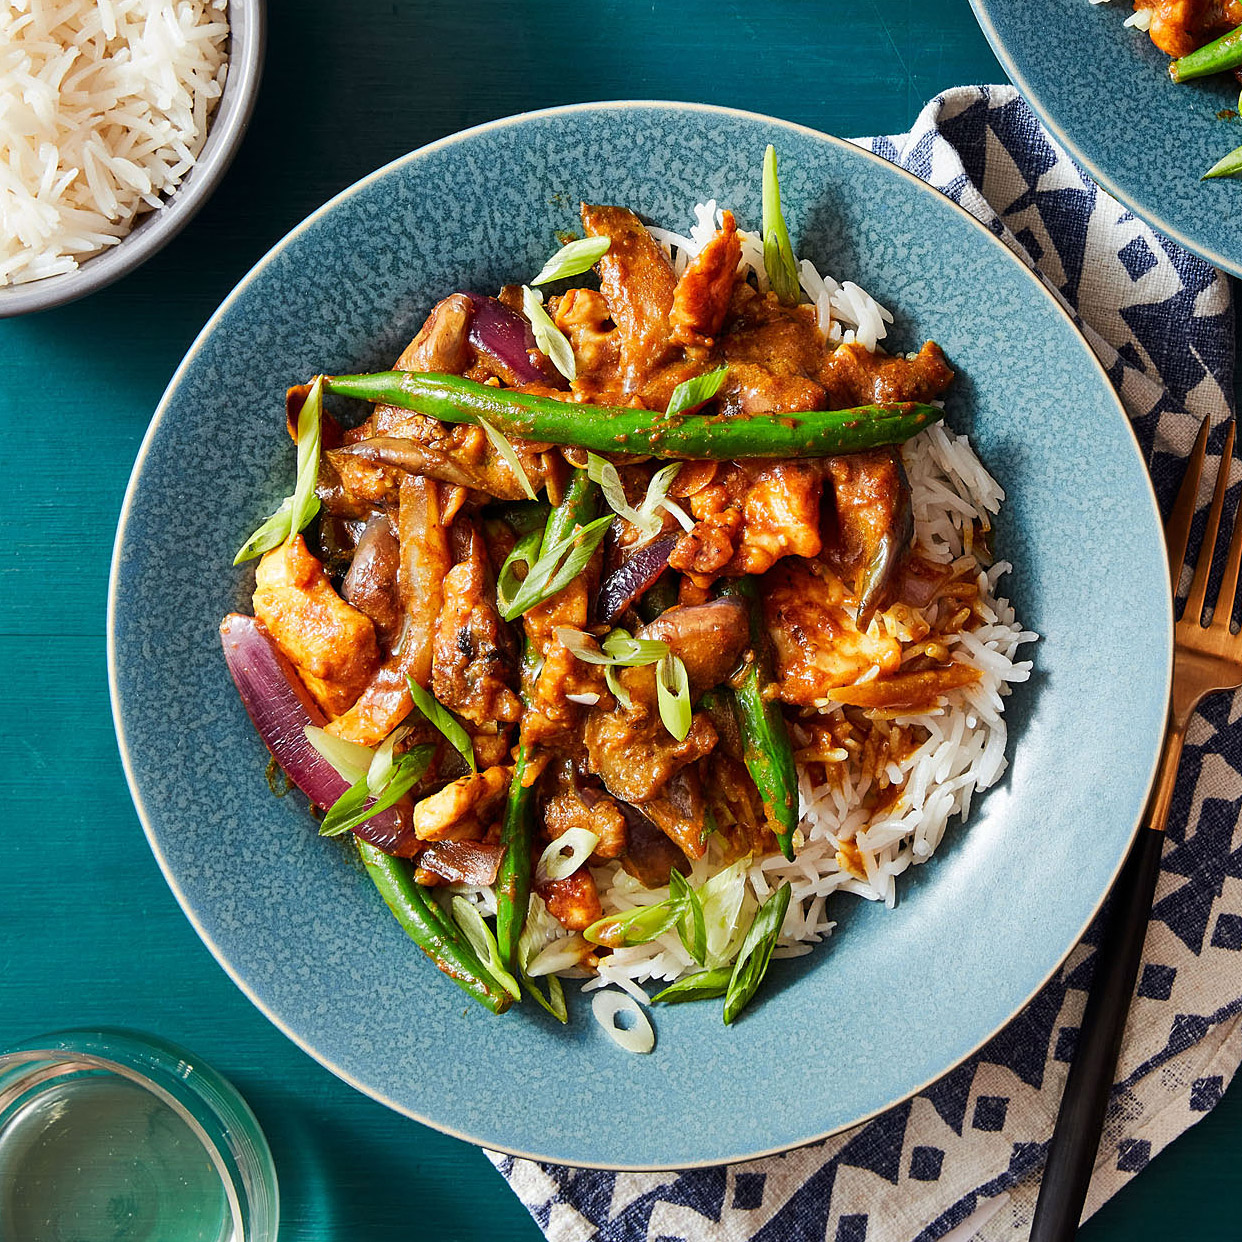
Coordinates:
<point>88,931</point>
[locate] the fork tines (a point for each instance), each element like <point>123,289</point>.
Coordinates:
<point>1177,534</point>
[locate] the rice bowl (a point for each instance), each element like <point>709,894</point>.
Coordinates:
<point>28,198</point>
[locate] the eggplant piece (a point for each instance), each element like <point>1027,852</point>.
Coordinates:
<point>371,470</point>
<point>443,342</point>
<point>633,578</point>
<point>874,524</point>
<point>709,638</point>
<point>649,854</point>
<point>680,812</point>
<point>371,583</point>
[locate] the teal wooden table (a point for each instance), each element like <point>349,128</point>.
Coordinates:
<point>88,931</point>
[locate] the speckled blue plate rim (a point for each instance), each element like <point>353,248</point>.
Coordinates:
<point>1097,174</point>
<point>113,603</point>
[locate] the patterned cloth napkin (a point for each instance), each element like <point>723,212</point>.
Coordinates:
<point>962,1159</point>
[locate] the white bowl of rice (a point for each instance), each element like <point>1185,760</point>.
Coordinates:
<point>118,118</point>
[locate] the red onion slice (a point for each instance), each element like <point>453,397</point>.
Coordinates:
<point>507,341</point>
<point>280,709</point>
<point>630,580</point>
<point>463,862</point>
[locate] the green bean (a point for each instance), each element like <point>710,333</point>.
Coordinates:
<point>658,598</point>
<point>429,928</point>
<point>577,508</point>
<point>765,739</point>
<point>614,429</point>
<point>1219,56</point>
<point>513,877</point>
<point>522,516</point>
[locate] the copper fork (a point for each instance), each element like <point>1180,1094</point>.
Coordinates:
<point>1206,658</point>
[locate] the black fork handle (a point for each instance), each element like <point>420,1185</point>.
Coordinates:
<point>1080,1121</point>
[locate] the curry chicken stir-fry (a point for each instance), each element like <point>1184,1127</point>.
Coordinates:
<point>655,690</point>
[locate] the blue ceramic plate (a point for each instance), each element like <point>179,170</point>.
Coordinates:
<point>896,997</point>
<point>1104,91</point>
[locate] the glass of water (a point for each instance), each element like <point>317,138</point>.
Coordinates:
<point>112,1136</point>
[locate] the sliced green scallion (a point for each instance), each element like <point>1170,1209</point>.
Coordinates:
<point>706,985</point>
<point>565,854</point>
<point>508,583</point>
<point>756,952</point>
<point>778,255</point>
<point>636,926</point>
<point>445,721</point>
<point>618,650</point>
<point>548,336</point>
<point>639,1036</point>
<point>554,1002</point>
<point>466,915</point>
<point>694,939</point>
<point>618,691</point>
<point>350,810</point>
<point>556,568</point>
<point>673,696</point>
<point>692,393</point>
<point>1228,166</point>
<point>563,953</point>
<point>297,510</point>
<point>573,259</point>
<point>502,445</point>
<point>351,760</point>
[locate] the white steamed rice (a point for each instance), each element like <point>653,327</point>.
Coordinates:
<point>104,107</point>
<point>952,496</point>
<point>1140,19</point>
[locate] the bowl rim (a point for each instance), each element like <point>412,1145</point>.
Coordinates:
<point>131,490</point>
<point>1149,214</point>
<point>156,228</point>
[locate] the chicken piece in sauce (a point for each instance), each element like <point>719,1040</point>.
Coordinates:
<point>872,523</point>
<point>750,516</point>
<point>817,644</point>
<point>570,804</point>
<point>473,664</point>
<point>574,901</point>
<point>702,295</point>
<point>331,645</point>
<point>465,809</point>
<point>1178,27</point>
<point>637,281</point>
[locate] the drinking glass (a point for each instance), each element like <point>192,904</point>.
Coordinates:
<point>111,1136</point>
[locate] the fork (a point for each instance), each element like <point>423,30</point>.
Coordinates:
<point>1206,658</point>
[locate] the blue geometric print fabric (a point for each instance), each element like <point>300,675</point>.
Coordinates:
<point>962,1159</point>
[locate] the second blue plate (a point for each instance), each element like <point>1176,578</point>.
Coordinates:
<point>1104,92</point>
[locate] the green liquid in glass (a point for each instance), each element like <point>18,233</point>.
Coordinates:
<point>99,1159</point>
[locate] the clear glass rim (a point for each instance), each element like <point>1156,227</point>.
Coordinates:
<point>184,1083</point>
